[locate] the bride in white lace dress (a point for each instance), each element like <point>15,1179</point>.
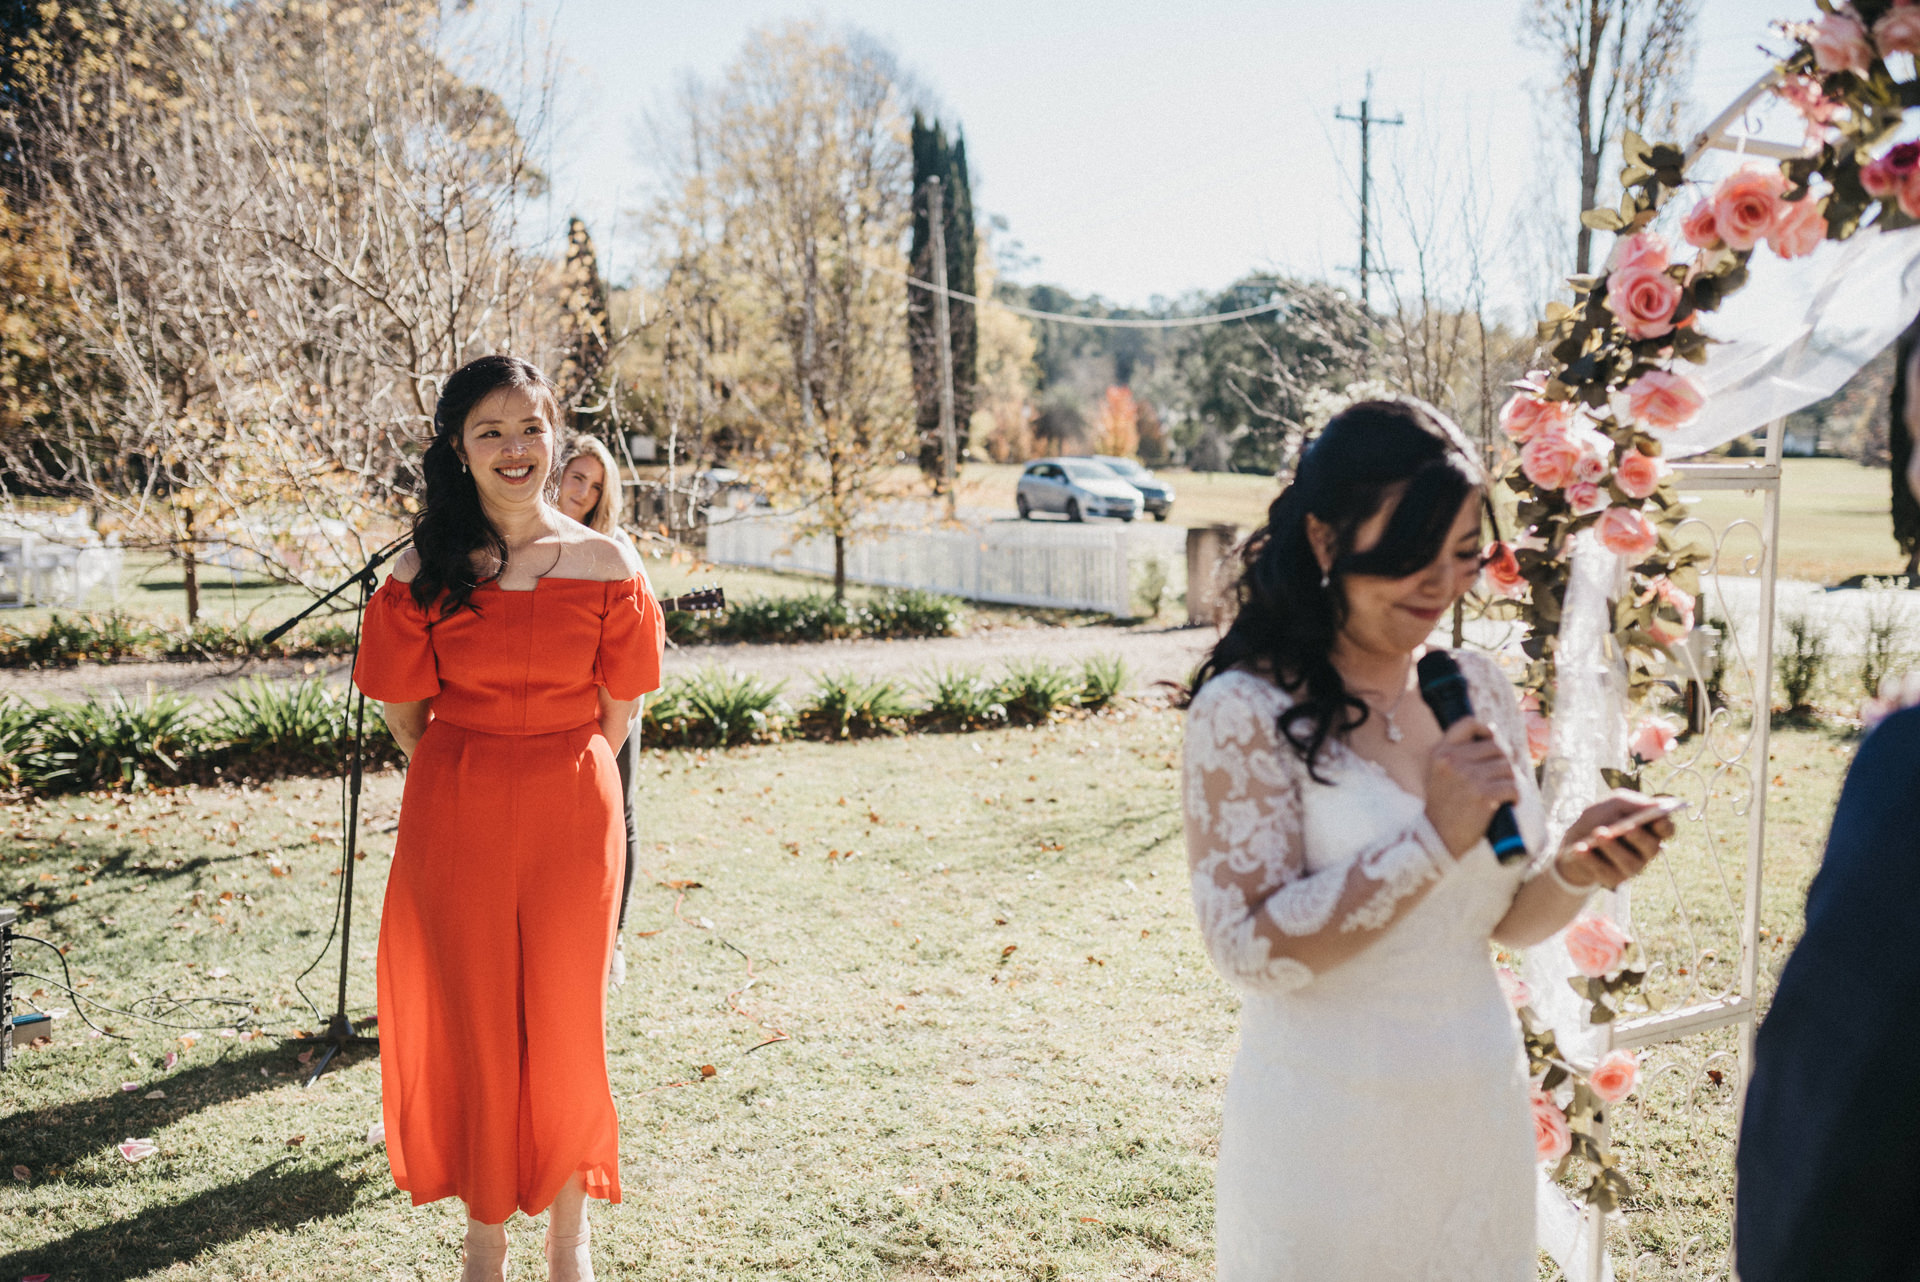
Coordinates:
<point>1376,1124</point>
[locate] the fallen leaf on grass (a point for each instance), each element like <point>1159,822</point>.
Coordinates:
<point>22,1173</point>
<point>683,884</point>
<point>154,1094</point>
<point>218,972</point>
<point>377,1133</point>
<point>1091,1219</point>
<point>295,1141</point>
<point>173,1057</point>
<point>137,1150</point>
<point>1008,950</point>
<point>1094,960</point>
<point>129,1086</point>
<point>305,1057</point>
<point>708,1070</point>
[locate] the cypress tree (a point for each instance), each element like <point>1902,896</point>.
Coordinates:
<point>933,158</point>
<point>588,326</point>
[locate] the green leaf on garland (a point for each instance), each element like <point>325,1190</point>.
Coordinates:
<point>1603,219</point>
<point>1620,778</point>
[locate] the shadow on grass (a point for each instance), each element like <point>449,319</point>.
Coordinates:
<point>62,1134</point>
<point>161,1236</point>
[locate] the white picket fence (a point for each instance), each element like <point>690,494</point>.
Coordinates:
<point>1071,567</point>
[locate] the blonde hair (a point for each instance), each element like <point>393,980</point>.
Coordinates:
<point>612,508</point>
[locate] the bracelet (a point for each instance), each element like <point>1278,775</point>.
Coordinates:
<point>1560,879</point>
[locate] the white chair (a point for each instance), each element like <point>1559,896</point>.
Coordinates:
<point>14,587</point>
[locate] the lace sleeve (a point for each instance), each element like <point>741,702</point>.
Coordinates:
<point>1495,703</point>
<point>1269,923</point>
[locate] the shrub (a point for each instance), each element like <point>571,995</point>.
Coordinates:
<point>209,640</point>
<point>70,639</point>
<point>961,699</point>
<point>1149,587</point>
<point>1102,680</point>
<point>1801,661</point>
<point>322,639</point>
<point>278,727</point>
<point>722,708</point>
<point>116,743</point>
<point>1886,636</point>
<point>1034,692</point>
<point>22,758</point>
<point>814,616</point>
<point>908,612</point>
<point>847,706</point>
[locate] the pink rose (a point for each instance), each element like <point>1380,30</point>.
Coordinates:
<point>1675,602</point>
<point>1745,205</point>
<point>1549,460</point>
<point>1804,94</point>
<point>1539,735</point>
<point>1799,229</point>
<point>1515,988</point>
<point>1643,300</point>
<point>1615,1076</point>
<point>1884,176</point>
<point>1840,43</point>
<point>1652,739</point>
<point>1642,250</point>
<point>1586,498</point>
<point>1626,533</point>
<point>1502,569</point>
<point>1551,1138</point>
<point>1664,401</point>
<point>1700,230</point>
<point>1526,416</point>
<point>1898,30</point>
<point>1596,946</point>
<point>1638,476</point>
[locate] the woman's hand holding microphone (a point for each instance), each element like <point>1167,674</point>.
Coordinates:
<point>1469,777</point>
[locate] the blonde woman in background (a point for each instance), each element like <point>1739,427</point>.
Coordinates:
<point>591,493</point>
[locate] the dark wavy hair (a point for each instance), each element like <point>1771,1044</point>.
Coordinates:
<point>452,525</point>
<point>1287,620</point>
<point>1900,444</point>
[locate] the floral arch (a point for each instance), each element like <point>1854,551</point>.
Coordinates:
<point>1603,570</point>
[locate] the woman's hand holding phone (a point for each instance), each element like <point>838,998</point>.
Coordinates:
<point>1615,838</point>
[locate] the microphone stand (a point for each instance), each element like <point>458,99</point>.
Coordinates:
<point>340,1033</point>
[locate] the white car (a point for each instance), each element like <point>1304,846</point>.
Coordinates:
<point>1157,493</point>
<point>1078,487</point>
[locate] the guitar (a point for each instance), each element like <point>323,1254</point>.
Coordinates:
<point>699,601</point>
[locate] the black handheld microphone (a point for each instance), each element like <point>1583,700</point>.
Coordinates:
<point>1445,690</point>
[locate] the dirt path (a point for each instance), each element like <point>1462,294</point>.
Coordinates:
<point>1151,654</point>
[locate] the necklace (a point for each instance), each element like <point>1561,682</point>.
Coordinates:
<point>1394,733</point>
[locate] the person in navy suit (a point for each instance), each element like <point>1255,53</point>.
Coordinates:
<point>1829,1157</point>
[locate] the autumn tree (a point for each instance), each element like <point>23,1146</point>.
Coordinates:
<point>286,223</point>
<point>791,193</point>
<point>1617,65</point>
<point>1116,428</point>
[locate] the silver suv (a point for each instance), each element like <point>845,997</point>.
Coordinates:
<point>1078,487</point>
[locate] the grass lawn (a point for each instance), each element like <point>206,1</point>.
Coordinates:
<point>1005,1049</point>
<point>1833,521</point>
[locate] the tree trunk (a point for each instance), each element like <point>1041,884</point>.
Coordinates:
<point>190,572</point>
<point>839,567</point>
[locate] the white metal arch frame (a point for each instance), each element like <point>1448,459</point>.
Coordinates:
<point>1700,773</point>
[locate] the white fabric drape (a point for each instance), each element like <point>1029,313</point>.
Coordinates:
<point>1800,329</point>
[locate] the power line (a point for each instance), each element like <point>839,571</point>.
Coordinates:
<point>1366,120</point>
<point>1096,322</point>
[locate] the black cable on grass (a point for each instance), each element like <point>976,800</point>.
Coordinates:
<point>177,1003</point>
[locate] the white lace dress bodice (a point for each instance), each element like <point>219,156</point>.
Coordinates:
<point>1376,1124</point>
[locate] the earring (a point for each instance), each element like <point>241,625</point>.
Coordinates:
<point>463,472</point>
<point>1325,579</point>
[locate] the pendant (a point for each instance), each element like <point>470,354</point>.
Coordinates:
<point>1393,730</point>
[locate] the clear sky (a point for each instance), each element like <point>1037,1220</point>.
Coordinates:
<point>1140,147</point>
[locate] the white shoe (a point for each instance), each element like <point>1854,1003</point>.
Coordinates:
<point>483,1256</point>
<point>617,973</point>
<point>568,1259</point>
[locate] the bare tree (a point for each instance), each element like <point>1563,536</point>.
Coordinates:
<point>290,225</point>
<point>1617,65</point>
<point>789,206</point>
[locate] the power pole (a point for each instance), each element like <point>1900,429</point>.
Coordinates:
<point>949,444</point>
<point>1366,120</point>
